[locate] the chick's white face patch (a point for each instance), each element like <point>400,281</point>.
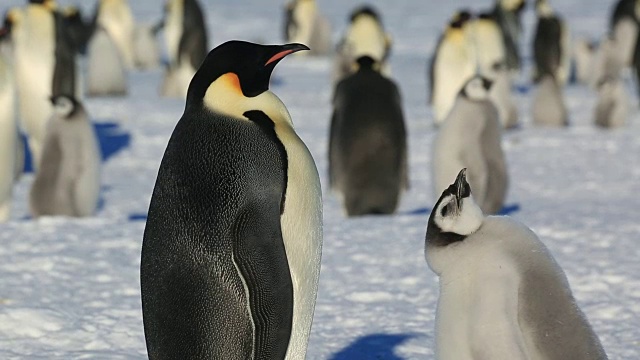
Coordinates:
<point>463,220</point>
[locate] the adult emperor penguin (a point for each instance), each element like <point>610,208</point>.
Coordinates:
<point>305,24</point>
<point>452,65</point>
<point>551,48</point>
<point>502,294</point>
<point>368,142</point>
<point>485,39</point>
<point>44,65</point>
<point>471,137</point>
<point>106,72</point>
<point>232,245</point>
<point>116,18</point>
<point>507,14</point>
<point>612,108</point>
<point>145,46</point>
<point>365,36</point>
<point>185,36</point>
<point>8,135</point>
<point>548,104</point>
<point>68,180</point>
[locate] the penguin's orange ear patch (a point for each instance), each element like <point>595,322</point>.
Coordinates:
<point>278,56</point>
<point>231,82</point>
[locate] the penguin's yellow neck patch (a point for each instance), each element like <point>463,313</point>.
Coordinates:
<point>224,96</point>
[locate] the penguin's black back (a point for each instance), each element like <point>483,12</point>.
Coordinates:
<point>622,9</point>
<point>547,50</point>
<point>64,73</point>
<point>215,212</point>
<point>194,33</point>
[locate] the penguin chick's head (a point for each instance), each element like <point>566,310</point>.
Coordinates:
<point>365,10</point>
<point>455,215</point>
<point>252,65</point>
<point>64,106</point>
<point>477,88</point>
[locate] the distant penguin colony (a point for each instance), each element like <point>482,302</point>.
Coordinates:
<point>305,24</point>
<point>548,105</point>
<point>470,137</point>
<point>186,41</point>
<point>551,48</point>
<point>68,180</point>
<point>231,250</point>
<point>365,36</point>
<point>502,294</point>
<point>368,142</point>
<point>106,70</point>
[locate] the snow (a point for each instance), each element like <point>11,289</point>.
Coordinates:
<point>69,288</point>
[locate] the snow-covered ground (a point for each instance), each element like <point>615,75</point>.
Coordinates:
<point>69,289</point>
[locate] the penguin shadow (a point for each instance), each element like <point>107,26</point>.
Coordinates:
<point>111,138</point>
<point>373,347</point>
<point>506,210</point>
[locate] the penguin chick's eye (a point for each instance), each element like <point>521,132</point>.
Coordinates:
<point>445,210</point>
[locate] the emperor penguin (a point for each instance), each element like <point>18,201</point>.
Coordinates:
<point>185,36</point>
<point>502,294</point>
<point>106,71</point>
<point>68,180</point>
<point>551,48</point>
<point>145,47</point>
<point>607,62</point>
<point>304,23</point>
<point>232,245</point>
<point>471,137</point>
<point>612,108</point>
<point>507,13</point>
<point>116,18</point>
<point>584,51</point>
<point>452,65</point>
<point>368,142</point>
<point>548,105</point>
<point>365,36</point>
<point>44,65</point>
<point>8,136</point>
<point>501,96</point>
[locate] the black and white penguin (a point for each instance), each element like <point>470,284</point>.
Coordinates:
<point>502,294</point>
<point>470,137</point>
<point>231,251</point>
<point>116,18</point>
<point>452,65</point>
<point>368,142</point>
<point>612,108</point>
<point>8,134</point>
<point>551,48</point>
<point>106,70</point>
<point>44,60</point>
<point>79,29</point>
<point>364,36</point>
<point>185,34</point>
<point>548,105</point>
<point>507,14</point>
<point>68,180</point>
<point>146,50</point>
<point>305,24</point>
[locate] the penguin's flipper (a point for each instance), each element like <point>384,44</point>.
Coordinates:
<point>259,254</point>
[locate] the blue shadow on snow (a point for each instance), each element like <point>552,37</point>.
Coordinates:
<point>373,347</point>
<point>111,138</point>
<point>506,210</point>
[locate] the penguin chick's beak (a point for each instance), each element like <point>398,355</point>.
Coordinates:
<point>461,186</point>
<point>284,51</point>
<point>486,84</point>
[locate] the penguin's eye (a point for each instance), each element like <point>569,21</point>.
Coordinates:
<point>445,210</point>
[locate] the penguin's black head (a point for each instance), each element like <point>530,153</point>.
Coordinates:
<point>460,18</point>
<point>455,215</point>
<point>65,106</point>
<point>251,63</point>
<point>364,10</point>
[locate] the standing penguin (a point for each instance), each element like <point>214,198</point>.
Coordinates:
<point>551,49</point>
<point>106,73</point>
<point>507,14</point>
<point>365,36</point>
<point>502,294</point>
<point>452,65</point>
<point>8,136</point>
<point>116,18</point>
<point>486,42</point>
<point>368,142</point>
<point>612,108</point>
<point>471,137</point>
<point>68,180</point>
<point>231,251</point>
<point>185,36</point>
<point>548,104</point>
<point>145,46</point>
<point>44,65</point>
<point>306,25</point>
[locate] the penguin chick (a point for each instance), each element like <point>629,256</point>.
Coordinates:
<point>548,104</point>
<point>502,294</point>
<point>612,108</point>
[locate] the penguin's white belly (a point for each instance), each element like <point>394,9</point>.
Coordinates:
<point>87,185</point>
<point>106,73</point>
<point>8,141</point>
<point>453,68</point>
<point>176,80</point>
<point>118,21</point>
<point>147,52</point>
<point>173,31</point>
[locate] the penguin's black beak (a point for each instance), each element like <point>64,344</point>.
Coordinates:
<point>285,50</point>
<point>462,186</point>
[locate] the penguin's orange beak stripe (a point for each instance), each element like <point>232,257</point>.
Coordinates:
<point>278,56</point>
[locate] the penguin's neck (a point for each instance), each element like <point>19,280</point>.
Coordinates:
<point>225,96</point>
